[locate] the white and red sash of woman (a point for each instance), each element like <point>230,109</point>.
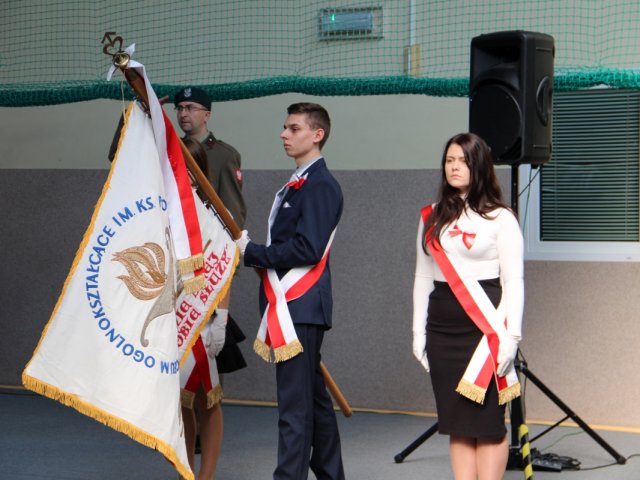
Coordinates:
<point>490,320</point>
<point>221,257</point>
<point>202,370</point>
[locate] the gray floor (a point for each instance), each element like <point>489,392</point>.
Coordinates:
<point>41,439</point>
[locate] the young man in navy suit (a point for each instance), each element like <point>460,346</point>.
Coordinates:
<point>296,300</point>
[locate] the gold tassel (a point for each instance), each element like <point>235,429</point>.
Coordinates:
<point>262,350</point>
<point>509,393</point>
<point>214,396</point>
<point>471,391</point>
<point>193,284</point>
<point>189,264</point>
<point>288,351</point>
<point>187,398</point>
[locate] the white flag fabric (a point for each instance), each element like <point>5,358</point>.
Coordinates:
<point>110,349</point>
<point>187,240</point>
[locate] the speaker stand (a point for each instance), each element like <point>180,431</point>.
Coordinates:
<point>517,419</point>
<point>416,443</point>
<point>517,411</point>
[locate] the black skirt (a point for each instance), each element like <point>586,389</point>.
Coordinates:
<point>452,337</point>
<point>230,357</point>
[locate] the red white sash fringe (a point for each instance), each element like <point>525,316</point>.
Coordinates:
<point>196,366</point>
<point>491,321</point>
<point>276,328</point>
<point>203,370</point>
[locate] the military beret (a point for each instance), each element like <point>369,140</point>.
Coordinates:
<point>193,94</point>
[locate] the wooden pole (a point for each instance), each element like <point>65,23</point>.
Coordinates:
<point>336,393</point>
<point>137,83</point>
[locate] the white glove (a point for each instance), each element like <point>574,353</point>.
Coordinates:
<point>215,335</point>
<point>507,352</point>
<point>420,348</point>
<point>421,288</point>
<point>242,241</point>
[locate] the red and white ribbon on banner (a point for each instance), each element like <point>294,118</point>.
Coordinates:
<point>490,320</point>
<point>183,219</point>
<point>276,328</point>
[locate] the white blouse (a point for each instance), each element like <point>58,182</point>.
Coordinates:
<point>486,248</point>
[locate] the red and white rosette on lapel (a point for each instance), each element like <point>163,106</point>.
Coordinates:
<point>491,321</point>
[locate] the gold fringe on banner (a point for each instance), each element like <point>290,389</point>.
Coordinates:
<point>107,419</point>
<point>193,284</point>
<point>189,264</point>
<point>471,391</point>
<point>212,308</point>
<point>70,400</point>
<point>509,393</point>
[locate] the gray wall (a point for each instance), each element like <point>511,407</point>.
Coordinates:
<point>387,132</point>
<point>581,319</point>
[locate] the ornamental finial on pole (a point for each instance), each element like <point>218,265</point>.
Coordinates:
<point>113,48</point>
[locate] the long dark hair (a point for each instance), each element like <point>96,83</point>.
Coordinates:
<point>484,194</point>
<point>198,153</point>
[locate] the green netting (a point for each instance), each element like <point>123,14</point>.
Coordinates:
<point>236,49</point>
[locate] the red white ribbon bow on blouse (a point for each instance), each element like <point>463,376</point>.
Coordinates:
<point>296,184</point>
<point>467,238</point>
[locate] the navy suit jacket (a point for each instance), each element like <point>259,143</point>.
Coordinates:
<point>299,236</point>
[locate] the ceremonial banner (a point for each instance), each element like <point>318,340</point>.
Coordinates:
<point>110,348</point>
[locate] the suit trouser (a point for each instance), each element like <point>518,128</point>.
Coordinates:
<point>308,429</point>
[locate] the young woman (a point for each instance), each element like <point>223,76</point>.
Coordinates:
<point>202,414</point>
<point>468,299</point>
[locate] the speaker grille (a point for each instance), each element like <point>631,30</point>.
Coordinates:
<point>495,116</point>
<point>510,95</point>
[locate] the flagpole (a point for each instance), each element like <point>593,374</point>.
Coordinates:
<point>138,85</point>
<point>345,408</point>
<point>121,61</point>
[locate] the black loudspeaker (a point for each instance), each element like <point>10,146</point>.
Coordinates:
<point>510,95</point>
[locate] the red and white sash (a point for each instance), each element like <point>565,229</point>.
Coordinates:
<point>276,328</point>
<point>193,310</point>
<point>490,320</point>
<point>202,370</point>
